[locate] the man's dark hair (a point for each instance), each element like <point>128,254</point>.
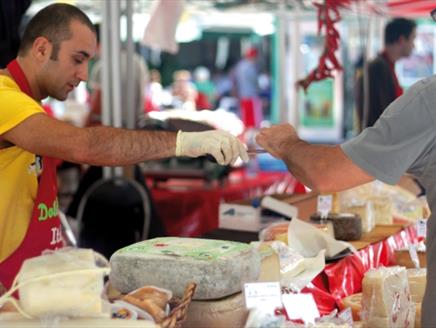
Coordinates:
<point>53,23</point>
<point>397,28</point>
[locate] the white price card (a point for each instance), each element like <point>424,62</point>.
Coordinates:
<point>300,306</point>
<point>265,296</point>
<point>421,228</point>
<point>324,206</point>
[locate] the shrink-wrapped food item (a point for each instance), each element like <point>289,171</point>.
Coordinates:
<point>219,268</point>
<point>386,298</point>
<point>383,210</point>
<point>417,280</point>
<point>65,283</point>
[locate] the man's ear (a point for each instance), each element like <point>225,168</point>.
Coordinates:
<point>41,48</point>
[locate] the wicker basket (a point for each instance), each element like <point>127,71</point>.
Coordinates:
<point>179,308</point>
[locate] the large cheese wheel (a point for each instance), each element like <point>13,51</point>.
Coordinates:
<point>219,268</point>
<point>417,281</point>
<point>224,313</point>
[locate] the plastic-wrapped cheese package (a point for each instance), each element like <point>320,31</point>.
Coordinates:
<point>383,210</point>
<point>64,283</point>
<point>417,282</point>
<point>386,298</point>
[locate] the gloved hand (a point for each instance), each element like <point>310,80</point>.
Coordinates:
<point>224,147</point>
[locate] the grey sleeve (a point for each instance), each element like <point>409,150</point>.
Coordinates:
<point>400,140</point>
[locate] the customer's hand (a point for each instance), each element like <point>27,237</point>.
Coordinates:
<point>224,147</point>
<point>278,139</point>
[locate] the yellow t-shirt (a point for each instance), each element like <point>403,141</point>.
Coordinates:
<point>18,169</point>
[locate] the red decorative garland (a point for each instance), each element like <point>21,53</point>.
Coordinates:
<point>328,16</point>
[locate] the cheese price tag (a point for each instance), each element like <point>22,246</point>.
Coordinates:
<point>300,306</point>
<point>265,296</point>
<point>324,206</point>
<point>421,228</point>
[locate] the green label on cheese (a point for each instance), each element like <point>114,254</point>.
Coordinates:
<point>199,249</point>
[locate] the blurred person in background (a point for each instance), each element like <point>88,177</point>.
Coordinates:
<point>140,80</point>
<point>383,86</point>
<point>205,87</point>
<point>183,90</point>
<point>247,90</point>
<point>224,86</point>
<point>153,92</point>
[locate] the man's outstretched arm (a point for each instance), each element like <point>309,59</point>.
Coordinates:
<point>109,146</point>
<point>321,168</point>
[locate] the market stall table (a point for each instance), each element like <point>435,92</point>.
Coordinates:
<point>189,207</point>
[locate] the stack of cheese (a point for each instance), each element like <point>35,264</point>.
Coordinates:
<point>386,298</point>
<point>219,268</point>
<point>378,203</point>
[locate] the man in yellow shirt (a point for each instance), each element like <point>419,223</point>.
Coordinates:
<point>52,60</point>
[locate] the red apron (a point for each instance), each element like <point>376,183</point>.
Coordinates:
<point>44,231</point>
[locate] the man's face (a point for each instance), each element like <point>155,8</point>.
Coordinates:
<point>60,76</point>
<point>409,44</point>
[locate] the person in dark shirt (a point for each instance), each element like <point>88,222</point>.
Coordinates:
<point>383,86</point>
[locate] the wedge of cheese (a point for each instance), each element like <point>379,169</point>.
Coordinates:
<point>417,281</point>
<point>406,320</point>
<point>218,267</point>
<point>74,291</point>
<point>385,294</point>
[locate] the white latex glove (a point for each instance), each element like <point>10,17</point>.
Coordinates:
<point>224,147</point>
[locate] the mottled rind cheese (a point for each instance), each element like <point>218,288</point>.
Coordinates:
<point>219,268</point>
